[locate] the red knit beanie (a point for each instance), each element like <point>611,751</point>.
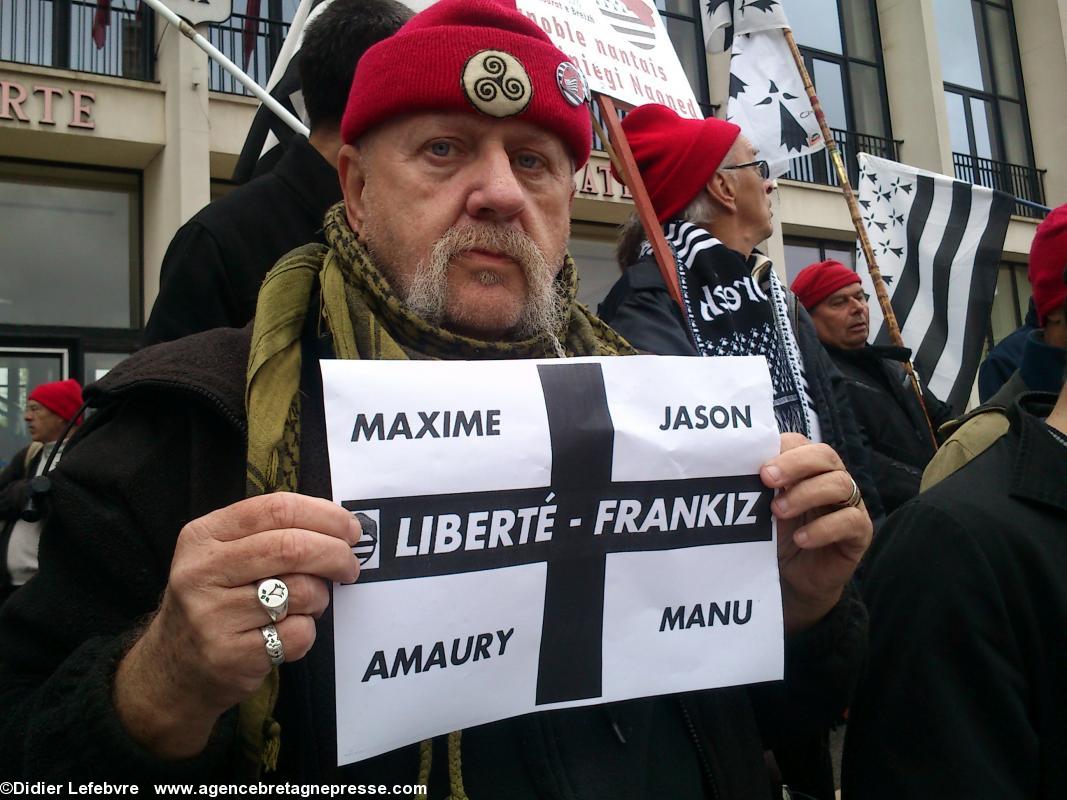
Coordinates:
<point>62,398</point>
<point>478,56</point>
<point>675,156</point>
<point>816,282</point>
<point>1048,257</point>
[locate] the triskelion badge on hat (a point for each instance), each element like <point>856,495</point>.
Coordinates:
<point>572,83</point>
<point>496,83</point>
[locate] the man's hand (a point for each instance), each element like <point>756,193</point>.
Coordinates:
<point>819,542</point>
<point>203,652</point>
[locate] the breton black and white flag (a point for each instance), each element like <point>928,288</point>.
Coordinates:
<point>545,534</point>
<point>268,134</point>
<point>938,244</point>
<point>767,95</point>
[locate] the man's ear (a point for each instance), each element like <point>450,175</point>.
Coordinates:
<point>722,189</point>
<point>353,181</point>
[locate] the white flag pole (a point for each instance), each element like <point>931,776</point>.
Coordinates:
<point>188,31</point>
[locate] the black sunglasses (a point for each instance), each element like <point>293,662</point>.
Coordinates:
<point>763,167</point>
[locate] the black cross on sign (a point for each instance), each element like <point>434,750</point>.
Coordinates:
<point>570,666</point>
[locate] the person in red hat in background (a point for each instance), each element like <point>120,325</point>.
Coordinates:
<point>143,648</point>
<point>889,413</point>
<point>963,695</point>
<point>1040,367</point>
<point>1027,361</point>
<point>712,194</point>
<point>49,411</point>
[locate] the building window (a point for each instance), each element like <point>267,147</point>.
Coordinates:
<point>252,38</point>
<point>71,240</point>
<point>987,117</point>
<point>682,18</point>
<point>115,39</point>
<point>842,51</point>
<point>799,253</point>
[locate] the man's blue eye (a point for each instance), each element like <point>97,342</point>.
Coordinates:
<point>440,148</point>
<point>529,161</point>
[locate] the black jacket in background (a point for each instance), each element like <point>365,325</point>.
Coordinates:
<point>965,696</point>
<point>640,308</point>
<point>215,263</point>
<point>890,418</point>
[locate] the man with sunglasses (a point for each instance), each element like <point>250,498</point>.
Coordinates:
<point>712,194</point>
<point>887,409</point>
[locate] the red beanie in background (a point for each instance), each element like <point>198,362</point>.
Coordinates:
<point>62,398</point>
<point>816,282</point>
<point>675,156</point>
<point>1048,258</point>
<point>476,56</point>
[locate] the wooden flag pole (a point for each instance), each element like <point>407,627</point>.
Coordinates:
<point>857,222</point>
<point>623,159</point>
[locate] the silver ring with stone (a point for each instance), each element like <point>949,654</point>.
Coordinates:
<point>273,595</point>
<point>855,498</point>
<point>273,643</point>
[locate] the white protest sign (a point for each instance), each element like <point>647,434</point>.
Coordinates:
<point>545,534</point>
<point>199,11</point>
<point>621,46</point>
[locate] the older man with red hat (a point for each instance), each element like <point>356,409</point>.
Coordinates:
<point>144,648</point>
<point>712,194</point>
<point>889,412</point>
<point>50,409</point>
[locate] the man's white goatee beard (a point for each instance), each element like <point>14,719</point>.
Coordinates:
<point>545,309</point>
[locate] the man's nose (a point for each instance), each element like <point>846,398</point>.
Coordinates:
<point>497,193</point>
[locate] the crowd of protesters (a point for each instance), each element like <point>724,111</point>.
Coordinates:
<point>430,219</point>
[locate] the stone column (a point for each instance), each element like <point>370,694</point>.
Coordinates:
<point>1042,26</point>
<point>177,183</point>
<point>914,83</point>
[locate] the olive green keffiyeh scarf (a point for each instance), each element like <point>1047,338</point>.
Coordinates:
<point>366,320</point>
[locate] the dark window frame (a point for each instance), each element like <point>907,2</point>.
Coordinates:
<point>86,57</point>
<point>703,95</point>
<point>271,27</point>
<point>844,61</point>
<point>81,339</point>
<point>821,245</point>
<point>994,97</point>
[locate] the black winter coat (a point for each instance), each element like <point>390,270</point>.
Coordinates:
<point>964,695</point>
<point>640,308</point>
<point>166,446</point>
<point>890,418</point>
<point>215,263</point>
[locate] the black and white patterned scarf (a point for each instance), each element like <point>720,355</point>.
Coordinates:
<point>734,308</point>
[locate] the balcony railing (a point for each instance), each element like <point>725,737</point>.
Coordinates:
<point>817,168</point>
<point>1022,182</point>
<point>253,43</point>
<point>75,34</point>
